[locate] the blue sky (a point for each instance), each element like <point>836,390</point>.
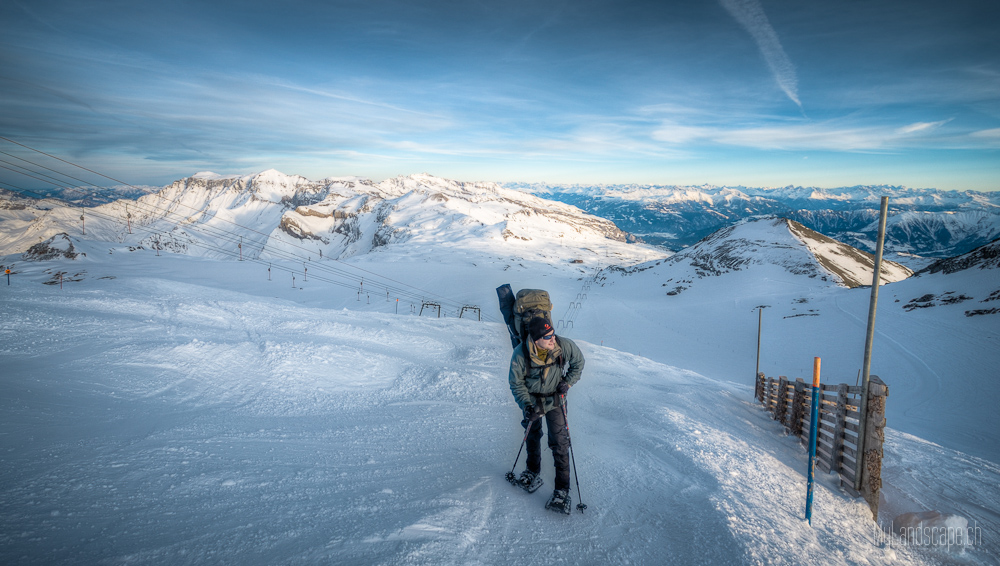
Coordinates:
<point>755,92</point>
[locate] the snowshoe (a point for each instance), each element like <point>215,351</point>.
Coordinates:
<point>529,481</point>
<point>560,502</point>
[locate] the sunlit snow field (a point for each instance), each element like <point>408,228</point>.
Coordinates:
<point>167,410</point>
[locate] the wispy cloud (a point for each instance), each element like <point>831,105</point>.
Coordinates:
<point>988,138</point>
<point>921,127</point>
<point>813,137</point>
<point>342,97</point>
<point>750,14</point>
<point>833,135</point>
<point>992,134</point>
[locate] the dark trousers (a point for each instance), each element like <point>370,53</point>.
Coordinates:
<point>558,443</point>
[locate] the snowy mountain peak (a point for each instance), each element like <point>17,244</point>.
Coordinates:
<point>788,244</point>
<point>425,209</point>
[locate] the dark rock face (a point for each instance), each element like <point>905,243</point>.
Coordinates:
<point>58,246</point>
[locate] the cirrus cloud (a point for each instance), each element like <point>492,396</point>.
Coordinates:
<point>834,135</point>
<point>750,14</point>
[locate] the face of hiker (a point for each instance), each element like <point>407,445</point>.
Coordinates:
<point>546,342</point>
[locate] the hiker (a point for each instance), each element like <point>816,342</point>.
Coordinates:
<point>539,385</point>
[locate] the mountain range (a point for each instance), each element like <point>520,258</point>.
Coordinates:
<point>271,215</point>
<point>922,222</point>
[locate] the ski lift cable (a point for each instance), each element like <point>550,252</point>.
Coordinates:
<point>228,236</point>
<point>285,255</point>
<point>223,234</point>
<point>224,251</point>
<point>203,245</point>
<point>182,204</point>
<point>227,252</point>
<point>422,291</point>
<point>205,229</point>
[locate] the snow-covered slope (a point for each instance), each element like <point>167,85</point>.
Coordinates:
<point>698,310</point>
<point>971,280</point>
<point>779,242</point>
<point>192,408</point>
<point>200,211</point>
<point>148,419</point>
<point>422,209</point>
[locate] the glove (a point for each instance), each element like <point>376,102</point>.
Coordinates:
<point>562,388</point>
<point>532,413</point>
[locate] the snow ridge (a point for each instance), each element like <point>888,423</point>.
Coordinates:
<point>786,244</point>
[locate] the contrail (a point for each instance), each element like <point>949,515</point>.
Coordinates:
<point>751,16</point>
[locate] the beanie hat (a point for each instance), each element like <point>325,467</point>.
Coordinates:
<point>539,327</point>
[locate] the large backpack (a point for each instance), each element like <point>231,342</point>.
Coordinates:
<point>518,311</point>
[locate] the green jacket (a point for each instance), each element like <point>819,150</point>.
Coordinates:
<point>540,382</point>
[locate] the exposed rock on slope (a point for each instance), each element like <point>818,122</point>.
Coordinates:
<point>58,246</point>
<point>983,257</point>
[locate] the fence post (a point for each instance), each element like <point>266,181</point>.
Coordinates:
<point>760,316</point>
<point>838,433</point>
<point>813,430</point>
<point>798,407</point>
<point>870,463</point>
<point>781,407</point>
<point>772,396</point>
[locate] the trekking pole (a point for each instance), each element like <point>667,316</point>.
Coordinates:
<point>510,475</point>
<point>581,506</point>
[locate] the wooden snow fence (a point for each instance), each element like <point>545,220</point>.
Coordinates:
<point>790,402</point>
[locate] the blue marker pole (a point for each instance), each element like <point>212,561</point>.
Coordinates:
<point>813,430</point>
